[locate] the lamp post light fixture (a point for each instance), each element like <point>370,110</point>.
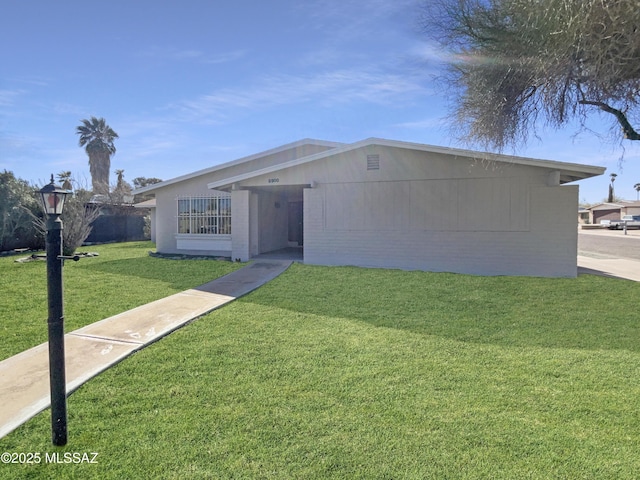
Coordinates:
<point>53,198</point>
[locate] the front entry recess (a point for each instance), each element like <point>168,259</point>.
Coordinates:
<point>295,222</point>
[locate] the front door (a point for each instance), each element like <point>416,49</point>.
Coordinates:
<point>295,222</point>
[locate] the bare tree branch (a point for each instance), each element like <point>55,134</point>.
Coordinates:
<point>628,131</point>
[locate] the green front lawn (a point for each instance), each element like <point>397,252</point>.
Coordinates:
<point>122,277</point>
<point>356,373</point>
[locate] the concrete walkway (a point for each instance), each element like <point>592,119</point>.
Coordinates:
<point>615,267</point>
<point>24,378</point>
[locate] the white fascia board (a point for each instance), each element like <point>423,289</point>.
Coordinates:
<point>282,166</point>
<point>564,167</point>
<point>572,169</point>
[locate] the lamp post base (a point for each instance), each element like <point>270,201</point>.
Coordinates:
<point>57,382</point>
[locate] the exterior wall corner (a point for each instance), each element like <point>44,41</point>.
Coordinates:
<point>240,226</point>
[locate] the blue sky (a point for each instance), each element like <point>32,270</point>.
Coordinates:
<point>194,83</point>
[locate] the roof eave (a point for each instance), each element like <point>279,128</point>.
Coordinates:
<point>589,171</point>
<point>231,163</point>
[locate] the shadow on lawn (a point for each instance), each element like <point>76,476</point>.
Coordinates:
<point>589,312</point>
<point>179,274</point>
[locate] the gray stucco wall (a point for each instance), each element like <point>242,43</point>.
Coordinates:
<point>431,212</point>
<point>547,247</point>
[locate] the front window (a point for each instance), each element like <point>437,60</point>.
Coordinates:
<point>205,215</point>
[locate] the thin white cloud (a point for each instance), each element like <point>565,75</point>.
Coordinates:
<point>324,89</point>
<point>149,145</point>
<point>171,53</point>
<point>422,124</point>
<point>7,97</point>
<point>344,27</point>
<point>145,137</point>
<point>176,54</point>
<point>224,57</point>
<point>33,80</point>
<point>11,142</point>
<point>357,14</point>
<point>64,108</point>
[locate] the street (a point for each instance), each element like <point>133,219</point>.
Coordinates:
<point>609,243</point>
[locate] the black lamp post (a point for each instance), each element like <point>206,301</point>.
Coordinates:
<point>53,200</point>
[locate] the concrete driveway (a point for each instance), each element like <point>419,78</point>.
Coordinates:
<point>610,253</point>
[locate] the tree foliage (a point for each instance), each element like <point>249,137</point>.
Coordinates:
<point>121,193</point>
<point>77,216</point>
<point>122,184</point>
<point>65,177</point>
<point>18,206</point>
<point>140,182</point>
<point>97,137</point>
<point>514,65</point>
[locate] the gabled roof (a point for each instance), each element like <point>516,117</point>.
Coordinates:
<point>569,172</point>
<point>616,205</point>
<point>605,206</point>
<point>282,148</point>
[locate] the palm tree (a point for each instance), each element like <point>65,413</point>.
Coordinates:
<point>65,178</point>
<point>637,187</point>
<point>611,197</point>
<point>97,137</point>
<point>120,174</point>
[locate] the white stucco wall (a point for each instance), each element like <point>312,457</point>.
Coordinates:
<point>240,225</point>
<point>167,238</point>
<point>165,223</point>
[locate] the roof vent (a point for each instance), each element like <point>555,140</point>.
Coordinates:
<point>373,162</point>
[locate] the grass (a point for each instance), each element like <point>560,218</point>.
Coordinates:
<point>354,373</point>
<point>123,276</point>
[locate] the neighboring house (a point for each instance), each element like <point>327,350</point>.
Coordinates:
<point>613,211</point>
<point>379,203</point>
<point>584,216</point>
